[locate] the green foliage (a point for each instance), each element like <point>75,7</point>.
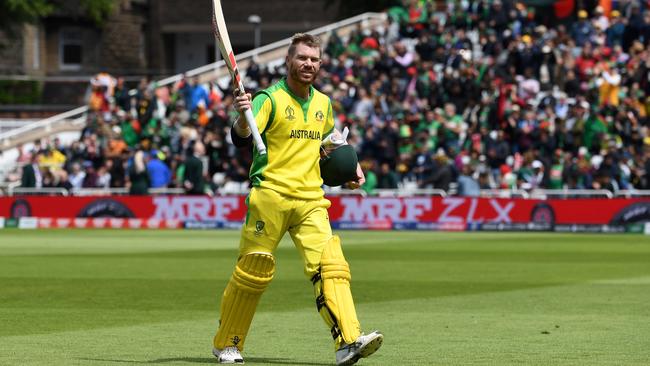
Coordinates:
<point>20,92</point>
<point>97,10</point>
<point>14,13</point>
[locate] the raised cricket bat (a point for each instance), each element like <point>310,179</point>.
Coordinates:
<point>221,33</point>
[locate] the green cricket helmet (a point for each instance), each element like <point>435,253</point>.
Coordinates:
<point>339,166</point>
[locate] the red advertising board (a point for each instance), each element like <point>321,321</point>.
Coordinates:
<point>374,212</point>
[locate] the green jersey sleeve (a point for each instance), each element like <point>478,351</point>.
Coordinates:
<point>262,110</point>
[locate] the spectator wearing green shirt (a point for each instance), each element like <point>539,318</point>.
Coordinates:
<point>370,185</point>
<point>454,127</point>
<point>387,178</point>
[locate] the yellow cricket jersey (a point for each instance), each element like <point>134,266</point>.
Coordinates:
<point>292,129</point>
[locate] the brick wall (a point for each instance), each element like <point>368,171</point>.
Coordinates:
<point>123,44</point>
<point>11,55</point>
<point>33,50</point>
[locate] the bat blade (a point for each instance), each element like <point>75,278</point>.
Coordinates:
<point>221,33</point>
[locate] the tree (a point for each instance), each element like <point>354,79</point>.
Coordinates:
<point>97,10</point>
<point>15,13</point>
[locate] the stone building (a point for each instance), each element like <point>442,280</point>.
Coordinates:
<point>51,62</point>
<point>150,37</point>
<point>184,32</point>
<point>66,43</point>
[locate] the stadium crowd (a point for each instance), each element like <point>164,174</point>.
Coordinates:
<point>482,95</point>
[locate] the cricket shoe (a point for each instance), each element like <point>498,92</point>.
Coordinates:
<point>228,355</point>
<point>364,346</point>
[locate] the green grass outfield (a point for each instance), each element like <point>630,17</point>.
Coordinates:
<point>72,297</point>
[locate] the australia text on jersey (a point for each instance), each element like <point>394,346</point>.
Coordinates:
<point>305,134</point>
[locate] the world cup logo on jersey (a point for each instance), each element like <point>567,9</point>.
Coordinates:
<point>289,113</point>
<point>320,116</point>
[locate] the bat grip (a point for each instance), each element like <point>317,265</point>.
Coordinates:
<point>257,139</point>
<point>248,114</point>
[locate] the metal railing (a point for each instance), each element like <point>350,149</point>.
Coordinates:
<point>212,71</point>
<point>6,187</point>
<point>24,191</point>
<point>99,191</point>
<point>47,124</point>
<point>409,192</point>
<point>14,189</point>
<point>504,193</point>
<point>8,124</point>
<point>43,191</point>
<point>570,193</point>
<point>630,193</point>
<point>338,191</point>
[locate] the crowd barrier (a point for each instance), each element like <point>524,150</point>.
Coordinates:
<point>415,212</point>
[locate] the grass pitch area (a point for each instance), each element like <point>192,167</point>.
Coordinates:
<point>151,297</point>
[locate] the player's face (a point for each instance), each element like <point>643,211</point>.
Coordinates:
<point>303,66</point>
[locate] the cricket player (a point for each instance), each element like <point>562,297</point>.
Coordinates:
<point>293,118</point>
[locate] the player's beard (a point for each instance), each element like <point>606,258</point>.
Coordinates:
<point>298,76</point>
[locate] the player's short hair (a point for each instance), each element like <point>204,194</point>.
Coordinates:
<point>306,39</point>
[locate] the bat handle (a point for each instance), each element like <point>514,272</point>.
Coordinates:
<point>255,132</point>
<point>257,138</point>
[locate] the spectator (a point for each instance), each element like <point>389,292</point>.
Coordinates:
<point>77,176</point>
<point>531,175</point>
<point>23,157</point>
<point>31,174</point>
<point>369,168</point>
<point>582,30</point>
<point>51,159</point>
<point>467,185</point>
<point>91,178</point>
<point>387,178</point>
<point>454,128</point>
<point>138,178</point>
<point>193,181</point>
<point>48,179</point>
<point>616,30</point>
<point>439,175</point>
<point>608,84</point>
<point>198,97</point>
<point>104,177</point>
<point>485,180</point>
<point>491,80</point>
<point>159,173</point>
<point>62,180</point>
<point>121,95</point>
